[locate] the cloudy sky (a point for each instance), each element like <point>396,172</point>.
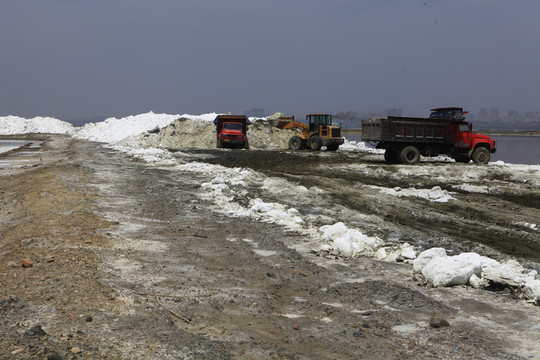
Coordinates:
<point>66,58</point>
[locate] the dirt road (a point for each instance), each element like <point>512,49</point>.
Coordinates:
<point>129,261</point>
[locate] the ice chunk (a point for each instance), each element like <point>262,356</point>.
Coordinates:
<point>476,282</point>
<point>261,206</point>
<point>331,232</point>
<point>425,257</point>
<point>348,241</point>
<point>453,270</point>
<point>532,289</point>
<point>380,254</point>
<point>407,251</point>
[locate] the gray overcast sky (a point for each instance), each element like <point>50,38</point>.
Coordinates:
<point>123,57</point>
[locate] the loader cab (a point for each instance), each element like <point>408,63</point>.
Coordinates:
<point>316,120</point>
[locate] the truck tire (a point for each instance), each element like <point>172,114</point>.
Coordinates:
<point>296,143</point>
<point>391,156</point>
<point>332,147</point>
<point>218,144</point>
<point>315,143</point>
<point>409,155</point>
<point>480,155</point>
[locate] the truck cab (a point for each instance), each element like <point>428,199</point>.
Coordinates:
<point>231,131</point>
<point>471,146</point>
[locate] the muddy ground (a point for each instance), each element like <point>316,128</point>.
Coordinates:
<point>129,262</point>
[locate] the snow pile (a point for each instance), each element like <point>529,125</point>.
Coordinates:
<point>161,130</point>
<point>475,270</point>
<point>12,125</point>
<point>435,194</point>
<point>529,225</point>
<point>190,132</point>
<point>349,242</point>
<point>359,146</point>
<point>221,191</point>
<point>182,133</point>
<point>113,129</point>
<point>263,135</point>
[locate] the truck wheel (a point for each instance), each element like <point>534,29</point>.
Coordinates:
<point>409,155</point>
<point>391,156</point>
<point>315,143</point>
<point>296,143</point>
<point>218,144</point>
<point>332,147</point>
<point>480,155</point>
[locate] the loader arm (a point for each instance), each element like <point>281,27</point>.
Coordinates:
<point>293,125</point>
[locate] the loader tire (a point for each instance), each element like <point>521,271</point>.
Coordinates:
<point>296,143</point>
<point>480,155</point>
<point>332,147</point>
<point>409,155</point>
<point>315,143</point>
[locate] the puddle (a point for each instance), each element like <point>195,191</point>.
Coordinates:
<point>16,153</point>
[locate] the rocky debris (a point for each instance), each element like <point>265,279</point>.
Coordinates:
<point>26,263</point>
<point>438,320</point>
<point>35,330</point>
<point>55,356</point>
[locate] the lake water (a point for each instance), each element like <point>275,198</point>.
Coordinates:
<point>510,149</point>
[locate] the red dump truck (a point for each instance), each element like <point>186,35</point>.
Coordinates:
<point>231,131</point>
<point>444,132</point>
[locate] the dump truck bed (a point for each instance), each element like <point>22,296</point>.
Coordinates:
<point>406,129</point>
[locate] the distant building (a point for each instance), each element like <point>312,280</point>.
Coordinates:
<point>258,113</point>
<point>531,116</point>
<point>513,114</point>
<point>483,114</point>
<point>494,114</point>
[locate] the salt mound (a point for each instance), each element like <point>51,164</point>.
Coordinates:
<point>10,125</point>
<point>194,133</point>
